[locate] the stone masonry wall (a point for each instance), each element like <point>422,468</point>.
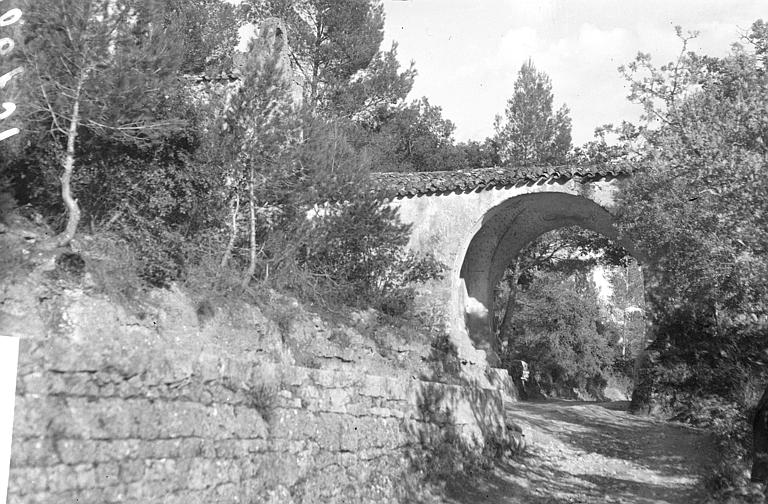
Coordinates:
<point>225,431</point>
<point>111,411</point>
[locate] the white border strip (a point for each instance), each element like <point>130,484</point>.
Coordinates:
<point>9,360</point>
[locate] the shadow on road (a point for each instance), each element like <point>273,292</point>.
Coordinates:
<point>592,452</point>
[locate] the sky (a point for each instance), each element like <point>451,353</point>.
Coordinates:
<point>468,52</point>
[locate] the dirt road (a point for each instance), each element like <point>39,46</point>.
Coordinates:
<point>593,453</point>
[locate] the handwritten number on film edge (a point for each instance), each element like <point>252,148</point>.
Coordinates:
<point>6,46</point>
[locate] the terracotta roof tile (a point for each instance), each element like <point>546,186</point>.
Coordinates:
<point>403,184</point>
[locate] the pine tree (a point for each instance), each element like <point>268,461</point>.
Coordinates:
<point>530,132</point>
<point>209,33</point>
<point>97,69</point>
<point>334,46</point>
<point>258,129</point>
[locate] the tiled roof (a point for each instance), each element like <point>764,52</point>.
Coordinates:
<point>403,184</point>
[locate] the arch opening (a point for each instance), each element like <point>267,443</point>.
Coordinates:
<point>568,317</point>
<point>503,232</point>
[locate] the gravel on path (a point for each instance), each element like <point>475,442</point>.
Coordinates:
<point>584,453</point>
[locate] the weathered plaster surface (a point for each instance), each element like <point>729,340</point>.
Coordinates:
<point>477,234</point>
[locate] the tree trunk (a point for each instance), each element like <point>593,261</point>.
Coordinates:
<point>511,300</point>
<point>760,444</point>
<point>252,230</point>
<point>73,209</point>
<point>233,236</point>
<point>316,64</point>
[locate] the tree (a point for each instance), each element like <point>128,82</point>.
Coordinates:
<point>627,303</point>
<point>479,154</point>
<point>334,45</point>
<point>530,132</point>
<point>257,133</point>
<point>697,208</point>
<point>415,138</point>
<point>599,151</point>
<point>556,332</point>
<point>97,69</point>
<point>566,252</point>
<point>208,31</point>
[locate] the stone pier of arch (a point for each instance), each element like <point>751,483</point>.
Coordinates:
<point>477,228</point>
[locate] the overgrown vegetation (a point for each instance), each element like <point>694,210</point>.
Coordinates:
<point>549,315</point>
<point>210,185</point>
<point>696,212</point>
<point>158,176</point>
<point>263,398</point>
<point>699,211</point>
<point>547,312</point>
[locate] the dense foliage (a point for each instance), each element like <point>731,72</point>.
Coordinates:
<point>335,45</point>
<point>240,181</point>
<point>206,180</point>
<point>415,138</point>
<point>556,329</point>
<point>548,313</point>
<point>698,210</point>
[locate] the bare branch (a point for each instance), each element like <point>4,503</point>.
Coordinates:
<point>54,115</point>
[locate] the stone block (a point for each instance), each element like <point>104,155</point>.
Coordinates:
<point>148,491</point>
<point>131,470</point>
<point>27,480</point>
<point>279,495</point>
<point>282,469</point>
<point>106,474</point>
<point>160,469</point>
<point>230,449</point>
<point>32,452</point>
<point>33,414</point>
<point>336,400</point>
<point>85,476</point>
<point>89,496</point>
<point>35,383</point>
<point>200,473</point>
<point>33,498</point>
<point>114,493</point>
<point>328,379</point>
<point>104,419</point>
<point>207,366</point>
<point>116,450</point>
<point>75,451</point>
<point>295,424</point>
<point>249,424</point>
<point>178,418</point>
<point>62,478</point>
<point>228,492</point>
<point>374,386</point>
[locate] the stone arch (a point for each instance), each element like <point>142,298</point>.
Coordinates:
<point>499,236</point>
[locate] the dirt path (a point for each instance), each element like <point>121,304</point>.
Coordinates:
<point>593,453</point>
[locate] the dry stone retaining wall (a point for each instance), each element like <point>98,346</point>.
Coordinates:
<point>128,416</point>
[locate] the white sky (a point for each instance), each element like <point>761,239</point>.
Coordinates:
<point>468,52</point>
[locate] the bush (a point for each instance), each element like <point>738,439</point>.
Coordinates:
<point>168,204</point>
<point>557,335</point>
<point>731,425</point>
<point>335,242</point>
<point>263,398</point>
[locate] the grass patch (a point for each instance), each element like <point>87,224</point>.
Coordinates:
<point>262,398</point>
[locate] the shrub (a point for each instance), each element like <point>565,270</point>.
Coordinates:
<point>556,333</point>
<point>111,262</point>
<point>262,398</point>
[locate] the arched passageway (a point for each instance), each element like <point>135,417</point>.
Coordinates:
<point>501,234</point>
